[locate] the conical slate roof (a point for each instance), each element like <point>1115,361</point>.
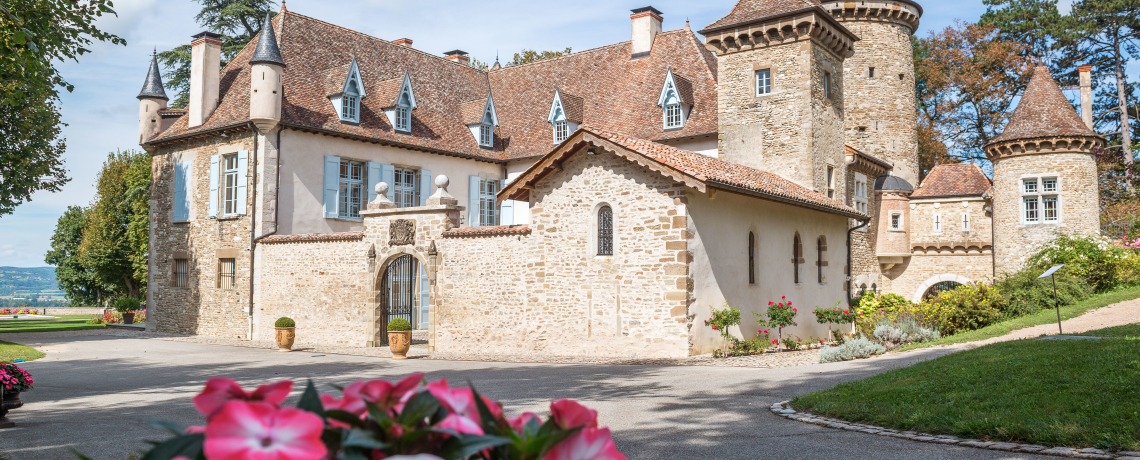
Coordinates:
<point>152,87</point>
<point>896,183</point>
<point>1043,112</point>
<point>267,51</point>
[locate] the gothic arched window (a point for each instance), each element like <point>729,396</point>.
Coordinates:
<point>751,258</point>
<point>605,231</point>
<point>797,256</point>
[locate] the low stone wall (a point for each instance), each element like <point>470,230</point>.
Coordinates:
<point>73,311</point>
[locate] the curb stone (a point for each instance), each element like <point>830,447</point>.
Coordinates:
<point>782,409</point>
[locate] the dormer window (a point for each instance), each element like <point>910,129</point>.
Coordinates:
<point>350,102</point>
<point>403,119</point>
<point>561,131</point>
<point>565,114</point>
<point>479,116</point>
<point>347,100</point>
<point>673,116</point>
<point>672,101</point>
<point>486,136</point>
<point>399,111</point>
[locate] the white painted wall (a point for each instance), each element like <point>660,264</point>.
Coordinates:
<point>703,145</point>
<point>521,208</point>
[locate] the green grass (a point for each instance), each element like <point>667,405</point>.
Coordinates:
<point>63,323</point>
<point>1076,393</point>
<point>1042,317</point>
<point>1131,331</point>
<point>10,351</point>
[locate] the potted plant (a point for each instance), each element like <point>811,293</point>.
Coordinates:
<point>126,306</point>
<point>399,337</point>
<point>286,332</point>
<point>13,380</point>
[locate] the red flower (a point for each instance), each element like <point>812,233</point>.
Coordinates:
<point>588,444</point>
<point>263,431</point>
<point>783,297</point>
<point>568,414</point>
<point>220,391</point>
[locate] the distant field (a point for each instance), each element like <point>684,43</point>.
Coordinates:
<point>63,323</point>
<point>27,280</point>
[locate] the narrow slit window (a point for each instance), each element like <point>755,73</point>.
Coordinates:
<point>827,85</point>
<point>797,257</point>
<point>831,182</point>
<point>871,72</point>
<point>751,258</point>
<point>938,223</point>
<point>965,221</point>
<point>820,248</point>
<point>605,231</point>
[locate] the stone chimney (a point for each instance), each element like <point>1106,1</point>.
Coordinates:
<point>205,75</point>
<point>458,56</point>
<point>152,99</point>
<point>403,42</point>
<point>646,24</point>
<point>1086,95</point>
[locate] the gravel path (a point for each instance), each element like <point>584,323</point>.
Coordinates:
<point>1117,314</point>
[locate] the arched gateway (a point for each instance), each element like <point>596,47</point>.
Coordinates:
<point>403,294</point>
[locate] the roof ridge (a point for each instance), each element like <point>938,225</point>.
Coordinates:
<point>702,51</point>
<point>591,50</point>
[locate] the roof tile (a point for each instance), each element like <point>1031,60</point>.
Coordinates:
<point>958,179</point>
<point>751,10</point>
<point>1043,111</point>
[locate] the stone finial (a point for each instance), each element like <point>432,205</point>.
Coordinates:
<point>441,181</point>
<point>381,201</point>
<point>441,197</point>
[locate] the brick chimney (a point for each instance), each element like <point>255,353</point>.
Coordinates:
<point>458,56</point>
<point>646,24</point>
<point>403,42</point>
<point>205,75</point>
<point>1086,94</point>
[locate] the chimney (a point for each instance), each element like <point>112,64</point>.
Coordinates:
<point>646,23</point>
<point>205,74</point>
<point>1086,94</point>
<point>404,42</point>
<point>458,56</point>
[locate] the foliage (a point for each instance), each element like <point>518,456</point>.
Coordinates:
<point>15,378</point>
<point>126,304</point>
<point>781,315</point>
<point>237,21</point>
<point>860,348</point>
<point>834,315</point>
<point>1025,294</point>
<point>964,308</point>
<point>720,321</point>
<point>380,419</point>
<point>114,243</point>
<point>1093,258</point>
<point>1029,22</point>
<point>286,321</point>
<point>874,306</point>
<point>904,330</point>
<point>527,56</point>
<point>36,35</point>
<point>756,345</point>
<point>80,284</point>
<point>792,343</point>
<point>399,324</point>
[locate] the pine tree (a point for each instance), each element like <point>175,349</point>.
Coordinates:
<point>1029,22</point>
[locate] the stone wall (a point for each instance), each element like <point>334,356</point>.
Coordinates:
<point>912,278</point>
<point>922,234</point>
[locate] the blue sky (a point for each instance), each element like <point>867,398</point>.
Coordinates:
<point>102,111</point>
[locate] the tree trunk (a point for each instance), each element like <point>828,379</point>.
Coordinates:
<point>132,288</point>
<point>1125,132</point>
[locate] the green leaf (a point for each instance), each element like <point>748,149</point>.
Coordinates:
<point>364,439</point>
<point>311,401</point>
<point>187,445</point>
<point>19,37</point>
<point>554,438</point>
<point>345,417</point>
<point>490,425</point>
<point>418,408</point>
<point>378,414</point>
<point>463,446</point>
<point>167,425</point>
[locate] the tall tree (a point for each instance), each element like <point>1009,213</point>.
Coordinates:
<point>932,148</point>
<point>80,285</point>
<point>528,56</point>
<point>110,248</point>
<point>237,21</point>
<point>1029,22</point>
<point>35,35</point>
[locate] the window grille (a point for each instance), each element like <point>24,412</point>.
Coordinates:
<point>351,189</point>
<point>403,119</point>
<point>1031,209</point>
<point>797,257</point>
<point>673,116</point>
<point>1049,185</point>
<point>1030,185</point>
<point>1038,207</point>
<point>348,107</point>
<point>763,82</point>
<point>751,258</point>
<point>1049,205</point>
<point>181,272</point>
<point>561,131</point>
<point>605,231</point>
<point>230,181</point>
<point>226,276</point>
<point>896,221</point>
<point>488,211</point>
<point>406,189</point>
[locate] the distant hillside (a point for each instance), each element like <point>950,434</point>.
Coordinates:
<point>23,282</point>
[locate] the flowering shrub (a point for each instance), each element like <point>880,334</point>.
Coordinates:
<point>1090,257</point>
<point>756,345</point>
<point>792,343</point>
<point>720,321</point>
<point>1026,294</point>
<point>14,378</point>
<point>964,308</point>
<point>379,419</point>
<point>781,315</point>
<point>18,311</point>
<point>140,316</point>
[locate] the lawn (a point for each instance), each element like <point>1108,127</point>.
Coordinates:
<point>63,323</point>
<point>1125,331</point>
<point>10,351</point>
<point>1075,393</point>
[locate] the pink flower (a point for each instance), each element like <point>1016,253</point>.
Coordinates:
<point>220,391</point>
<point>461,402</point>
<point>568,414</point>
<point>195,429</point>
<point>517,423</point>
<point>794,309</point>
<point>262,431</point>
<point>771,303</point>
<point>783,297</point>
<point>588,444</point>
<point>382,393</point>
<point>775,341</point>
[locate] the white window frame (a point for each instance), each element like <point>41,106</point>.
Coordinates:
<point>674,116</point>
<point>488,210</point>
<point>763,80</point>
<point>831,182</point>
<point>900,223</point>
<point>406,187</point>
<point>860,196</point>
<point>229,188</point>
<point>561,131</point>
<point>403,118</point>
<point>1035,197</point>
<point>350,198</point>
<point>486,135</point>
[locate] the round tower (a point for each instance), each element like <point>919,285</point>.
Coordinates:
<point>878,81</point>
<point>152,98</point>
<point>1045,176</point>
<point>892,244</point>
<point>266,70</point>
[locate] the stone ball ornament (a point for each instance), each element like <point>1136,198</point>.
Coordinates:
<point>442,181</point>
<point>381,188</point>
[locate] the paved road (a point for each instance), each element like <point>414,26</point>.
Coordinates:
<point>92,393</point>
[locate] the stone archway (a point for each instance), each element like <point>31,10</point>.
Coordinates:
<point>930,282</point>
<point>401,287</point>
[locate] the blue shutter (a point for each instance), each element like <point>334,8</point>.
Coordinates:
<point>373,179</point>
<point>243,181</point>
<point>332,185</point>
<point>423,297</point>
<point>388,173</point>
<point>214,186</point>
<point>425,186</point>
<point>506,208</point>
<point>181,191</point>
<point>473,202</point>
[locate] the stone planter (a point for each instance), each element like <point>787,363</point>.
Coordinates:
<point>285,337</point>
<point>11,401</point>
<point>399,342</point>
<point>128,318</point>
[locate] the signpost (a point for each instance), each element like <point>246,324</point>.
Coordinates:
<point>1056,303</point>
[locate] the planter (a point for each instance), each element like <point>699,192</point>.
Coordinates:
<point>399,342</point>
<point>128,318</point>
<point>285,337</point>
<point>11,401</point>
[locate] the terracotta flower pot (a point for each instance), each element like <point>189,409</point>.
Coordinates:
<point>11,401</point>
<point>399,342</point>
<point>128,318</point>
<point>285,337</point>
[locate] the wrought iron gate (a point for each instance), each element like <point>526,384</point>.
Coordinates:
<point>397,293</point>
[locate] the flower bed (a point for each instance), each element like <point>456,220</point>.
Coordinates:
<point>19,311</point>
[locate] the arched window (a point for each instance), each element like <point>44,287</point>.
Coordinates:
<point>751,258</point>
<point>820,248</point>
<point>605,231</point>
<point>797,257</point>
<point>937,288</point>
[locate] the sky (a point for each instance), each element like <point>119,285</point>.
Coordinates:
<point>102,113</point>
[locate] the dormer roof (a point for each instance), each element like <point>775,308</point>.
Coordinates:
<point>956,179</point>
<point>152,87</point>
<point>682,88</point>
<point>569,105</point>
<point>474,112</point>
<point>267,51</point>
<point>1043,111</point>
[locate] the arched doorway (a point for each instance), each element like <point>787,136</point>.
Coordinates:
<point>939,287</point>
<point>400,287</point>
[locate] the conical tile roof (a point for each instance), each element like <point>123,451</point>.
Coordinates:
<point>1043,112</point>
<point>267,51</point>
<point>152,87</point>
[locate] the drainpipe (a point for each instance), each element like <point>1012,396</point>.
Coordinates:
<point>252,226</point>
<point>850,269</point>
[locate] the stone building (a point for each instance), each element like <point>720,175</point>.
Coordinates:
<point>602,202</point>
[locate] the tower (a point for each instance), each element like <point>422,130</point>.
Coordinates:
<point>1045,176</point>
<point>265,80</point>
<point>878,80</point>
<point>780,90</point>
<point>152,98</point>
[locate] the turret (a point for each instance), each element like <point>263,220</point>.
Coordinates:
<point>152,98</point>
<point>892,246</point>
<point>265,80</point>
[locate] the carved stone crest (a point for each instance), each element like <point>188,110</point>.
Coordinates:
<point>401,232</point>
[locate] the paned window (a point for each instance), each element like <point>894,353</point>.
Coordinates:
<point>230,182</point>
<point>351,189</point>
<point>1049,185</point>
<point>605,231</point>
<point>486,135</point>
<point>938,223</point>
<point>896,221</point>
<point>1041,200</point>
<point>797,257</point>
<point>860,199</point>
<point>406,188</point>
<point>226,276</point>
<point>561,131</point>
<point>763,82</point>
<point>1031,209</point>
<point>751,258</point>
<point>488,212</point>
<point>403,118</point>
<point>1049,206</point>
<point>181,273</point>
<point>348,107</point>
<point>673,116</point>
<point>1029,185</point>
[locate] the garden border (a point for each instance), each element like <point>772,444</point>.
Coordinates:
<point>783,410</point>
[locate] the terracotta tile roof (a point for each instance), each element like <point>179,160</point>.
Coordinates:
<point>693,169</point>
<point>751,10</point>
<point>1043,111</point>
<point>573,105</point>
<point>494,230</point>
<point>473,111</point>
<point>614,92</point>
<point>312,237</point>
<point>959,179</point>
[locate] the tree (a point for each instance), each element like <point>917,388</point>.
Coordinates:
<point>34,36</point>
<point>1029,22</point>
<point>113,247</point>
<point>528,56</point>
<point>237,21</point>
<point>931,145</point>
<point>81,286</point>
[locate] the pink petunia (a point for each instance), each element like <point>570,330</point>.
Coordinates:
<point>262,431</point>
<point>588,444</point>
<point>568,414</point>
<point>220,391</point>
<point>461,402</point>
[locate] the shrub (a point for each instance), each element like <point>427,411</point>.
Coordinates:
<point>873,307</point>
<point>14,378</point>
<point>964,308</point>
<point>1026,294</point>
<point>1093,258</point>
<point>756,345</point>
<point>126,304</point>
<point>285,321</point>
<point>792,343</point>
<point>399,324</point>
<point>855,348</point>
<point>781,315</point>
<point>905,329</point>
